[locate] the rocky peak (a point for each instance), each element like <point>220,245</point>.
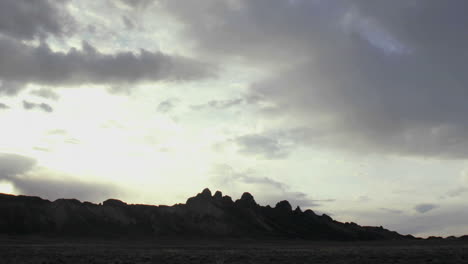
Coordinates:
<point>201,198</point>
<point>114,202</point>
<point>309,212</point>
<point>247,197</point>
<point>206,193</point>
<point>284,206</point>
<point>227,200</point>
<point>246,200</point>
<point>327,218</point>
<point>218,195</point>
<point>298,210</point>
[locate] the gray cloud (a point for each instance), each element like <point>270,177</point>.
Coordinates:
<point>24,174</point>
<point>245,29</point>
<point>46,93</point>
<point>425,207</point>
<point>43,106</point>
<point>457,192</point>
<point>4,106</point>
<point>23,63</point>
<point>51,188</point>
<point>226,177</point>
<point>380,102</point>
<point>219,104</point>
<point>263,180</point>
<point>166,106</point>
<point>10,88</point>
<point>140,4</point>
<point>27,19</point>
<point>13,164</point>
<point>384,77</point>
<point>364,199</point>
<point>120,89</point>
<point>128,23</point>
<point>391,211</point>
<point>46,107</point>
<point>268,147</point>
<point>225,174</point>
<point>28,106</point>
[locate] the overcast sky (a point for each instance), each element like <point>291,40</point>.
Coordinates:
<point>353,108</point>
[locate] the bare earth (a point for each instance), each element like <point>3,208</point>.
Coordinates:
<point>34,250</point>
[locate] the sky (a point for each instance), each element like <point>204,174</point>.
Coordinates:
<point>352,108</point>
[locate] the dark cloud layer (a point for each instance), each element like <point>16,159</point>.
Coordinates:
<point>268,147</point>
<point>457,192</point>
<point>137,3</point>
<point>425,207</point>
<point>13,164</point>
<point>45,93</point>
<point>257,30</point>
<point>128,23</point>
<point>42,106</point>
<point>10,88</point>
<point>23,63</point>
<point>63,188</point>
<point>386,76</point>
<point>3,106</point>
<point>21,172</point>
<point>166,106</point>
<point>219,104</point>
<point>392,211</point>
<point>27,19</point>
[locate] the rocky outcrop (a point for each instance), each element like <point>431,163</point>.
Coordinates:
<point>114,202</point>
<point>203,216</point>
<point>246,201</point>
<point>284,206</point>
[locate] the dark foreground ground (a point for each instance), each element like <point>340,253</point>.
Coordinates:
<point>34,250</point>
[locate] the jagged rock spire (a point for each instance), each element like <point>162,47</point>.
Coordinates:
<point>218,195</point>
<point>206,192</point>
<point>247,197</point>
<point>284,206</point>
<point>298,210</point>
<point>246,200</point>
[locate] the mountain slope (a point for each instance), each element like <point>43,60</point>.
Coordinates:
<point>203,216</point>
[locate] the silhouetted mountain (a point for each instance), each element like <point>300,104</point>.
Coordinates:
<point>203,216</point>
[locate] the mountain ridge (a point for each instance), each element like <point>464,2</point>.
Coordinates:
<point>202,216</point>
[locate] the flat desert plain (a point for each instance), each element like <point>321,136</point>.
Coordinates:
<point>56,251</point>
